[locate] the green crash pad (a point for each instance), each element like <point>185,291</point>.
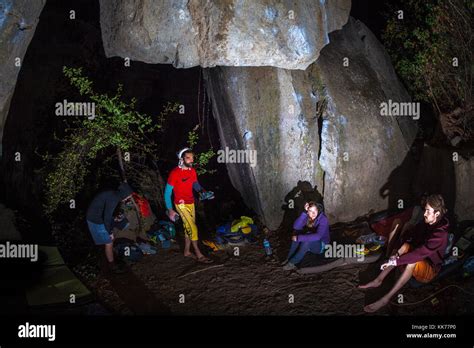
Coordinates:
<point>57,282</point>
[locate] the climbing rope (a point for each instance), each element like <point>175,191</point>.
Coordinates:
<point>203,114</point>
<point>203,107</point>
<point>199,98</point>
<point>207,120</point>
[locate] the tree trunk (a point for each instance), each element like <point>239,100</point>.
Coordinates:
<point>121,166</point>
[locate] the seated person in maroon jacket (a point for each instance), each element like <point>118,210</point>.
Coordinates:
<point>420,253</point>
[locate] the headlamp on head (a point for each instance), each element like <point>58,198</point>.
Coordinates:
<point>180,153</point>
<point>181,156</point>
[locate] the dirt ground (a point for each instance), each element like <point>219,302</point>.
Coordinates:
<point>250,284</point>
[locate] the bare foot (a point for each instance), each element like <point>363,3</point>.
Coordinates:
<point>373,284</point>
<point>373,307</point>
<point>204,259</point>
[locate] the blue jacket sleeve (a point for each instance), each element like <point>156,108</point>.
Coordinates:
<point>300,222</point>
<point>109,209</point>
<point>197,187</point>
<point>168,191</point>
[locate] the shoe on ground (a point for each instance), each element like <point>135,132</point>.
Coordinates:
<point>289,267</point>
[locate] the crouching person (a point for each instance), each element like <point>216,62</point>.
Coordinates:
<point>421,253</point>
<point>100,217</point>
<point>311,233</point>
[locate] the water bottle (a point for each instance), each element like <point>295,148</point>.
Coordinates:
<point>267,247</point>
<point>176,217</point>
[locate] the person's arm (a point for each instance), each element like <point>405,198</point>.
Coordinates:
<point>110,205</point>
<point>203,194</point>
<point>197,187</point>
<point>322,230</point>
<point>300,222</point>
<point>168,191</point>
<point>431,246</point>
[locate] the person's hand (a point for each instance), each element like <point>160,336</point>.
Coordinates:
<point>306,206</point>
<point>403,249</point>
<point>391,262</point>
<point>294,238</point>
<point>172,214</point>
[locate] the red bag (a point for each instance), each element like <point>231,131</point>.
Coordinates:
<point>382,227</point>
<point>143,205</point>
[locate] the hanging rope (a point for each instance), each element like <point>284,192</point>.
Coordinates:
<point>207,119</point>
<point>199,98</point>
<point>203,106</point>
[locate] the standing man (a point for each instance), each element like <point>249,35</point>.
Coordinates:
<point>421,252</point>
<point>182,180</point>
<point>100,219</point>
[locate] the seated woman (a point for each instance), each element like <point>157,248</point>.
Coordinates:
<point>311,233</point>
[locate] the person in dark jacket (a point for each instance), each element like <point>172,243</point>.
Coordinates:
<point>421,252</point>
<point>100,217</point>
<point>311,234</point>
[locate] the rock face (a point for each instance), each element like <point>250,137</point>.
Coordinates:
<point>18,20</point>
<point>444,171</point>
<point>185,33</point>
<point>307,120</point>
<point>360,149</point>
<point>7,221</point>
<point>464,173</point>
<point>322,125</point>
<point>437,173</point>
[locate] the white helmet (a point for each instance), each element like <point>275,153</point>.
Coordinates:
<point>180,153</point>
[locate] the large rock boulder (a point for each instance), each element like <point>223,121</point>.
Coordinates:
<point>464,173</point>
<point>186,33</point>
<point>447,172</point>
<point>322,125</point>
<point>437,173</point>
<point>9,231</point>
<point>18,20</point>
<point>273,112</point>
<point>361,151</point>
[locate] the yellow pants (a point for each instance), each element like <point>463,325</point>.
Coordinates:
<point>186,212</point>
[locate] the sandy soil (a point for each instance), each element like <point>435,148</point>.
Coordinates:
<point>249,284</point>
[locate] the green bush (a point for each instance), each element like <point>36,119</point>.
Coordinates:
<point>117,128</point>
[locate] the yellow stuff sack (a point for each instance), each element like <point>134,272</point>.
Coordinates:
<point>242,223</point>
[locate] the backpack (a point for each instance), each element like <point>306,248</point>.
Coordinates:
<point>164,234</point>
<point>168,229</point>
<point>129,251</point>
